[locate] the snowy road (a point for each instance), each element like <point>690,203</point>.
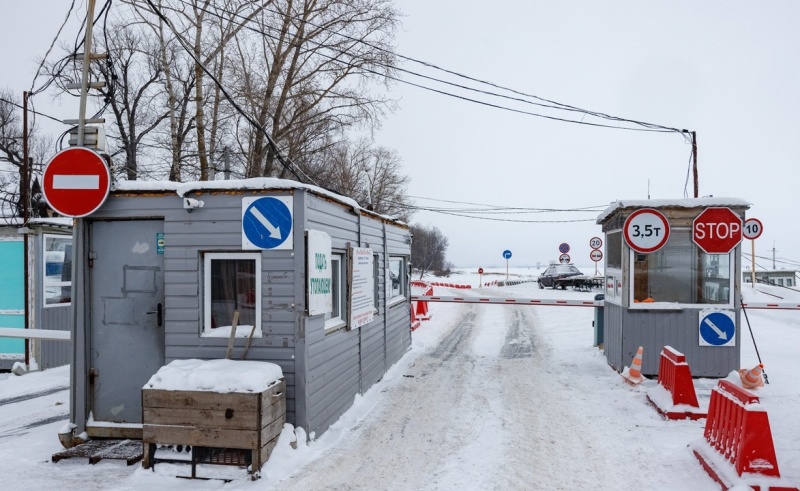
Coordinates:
<point>492,405</point>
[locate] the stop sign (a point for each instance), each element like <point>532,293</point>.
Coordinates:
<point>76,182</point>
<point>717,230</point>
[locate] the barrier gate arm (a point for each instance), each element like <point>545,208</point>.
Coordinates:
<point>508,301</point>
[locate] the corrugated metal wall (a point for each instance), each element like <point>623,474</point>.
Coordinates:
<point>626,330</point>
<point>323,371</point>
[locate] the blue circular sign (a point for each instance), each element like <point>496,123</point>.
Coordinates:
<point>563,248</point>
<point>507,254</point>
<point>717,329</point>
<point>267,223</point>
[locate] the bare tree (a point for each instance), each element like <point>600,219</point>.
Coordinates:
<point>428,248</point>
<point>12,158</point>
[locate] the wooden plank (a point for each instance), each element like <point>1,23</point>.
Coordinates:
<point>265,452</point>
<point>123,432</point>
<point>232,418</point>
<point>204,437</point>
<point>272,429</point>
<point>273,409</point>
<point>199,399</point>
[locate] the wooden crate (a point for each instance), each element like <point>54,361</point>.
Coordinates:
<point>237,420</point>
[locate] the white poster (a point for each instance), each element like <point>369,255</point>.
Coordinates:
<point>362,287</point>
<point>320,299</point>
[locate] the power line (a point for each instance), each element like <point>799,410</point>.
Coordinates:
<point>550,103</point>
<point>553,104</point>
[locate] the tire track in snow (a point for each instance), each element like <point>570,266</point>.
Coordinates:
<point>426,428</point>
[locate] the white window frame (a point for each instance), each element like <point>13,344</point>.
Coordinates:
<point>208,257</point>
<point>60,284</point>
<point>403,278</point>
<point>336,320</point>
<point>675,305</point>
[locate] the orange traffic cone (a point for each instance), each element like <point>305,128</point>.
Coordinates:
<point>634,374</point>
<point>752,378</point>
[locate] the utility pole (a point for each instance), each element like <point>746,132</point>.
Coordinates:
<point>85,85</point>
<point>25,176</point>
<point>694,164</point>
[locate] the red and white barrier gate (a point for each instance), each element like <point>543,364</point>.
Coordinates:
<point>737,448</point>
<point>674,396</point>
<point>509,301</point>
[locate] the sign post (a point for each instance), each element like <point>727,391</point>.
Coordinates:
<point>752,231</point>
<point>507,255</point>
<point>596,255</point>
<point>76,182</point>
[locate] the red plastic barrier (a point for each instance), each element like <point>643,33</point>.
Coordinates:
<point>675,377</point>
<point>421,311</point>
<point>414,322</point>
<point>738,428</point>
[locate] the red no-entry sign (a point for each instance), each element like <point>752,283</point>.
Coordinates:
<point>717,230</point>
<point>76,182</point>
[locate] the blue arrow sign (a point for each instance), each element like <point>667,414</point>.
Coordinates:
<point>507,254</point>
<point>717,328</point>
<point>267,223</point>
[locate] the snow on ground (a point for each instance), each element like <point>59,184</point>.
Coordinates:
<point>489,397</point>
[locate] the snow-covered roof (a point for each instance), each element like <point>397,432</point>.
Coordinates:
<point>256,183</point>
<point>216,376</point>
<point>671,203</point>
<point>57,221</point>
<point>252,184</point>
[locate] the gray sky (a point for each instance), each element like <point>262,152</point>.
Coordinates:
<point>726,69</point>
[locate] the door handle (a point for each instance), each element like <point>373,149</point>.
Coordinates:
<point>159,314</point>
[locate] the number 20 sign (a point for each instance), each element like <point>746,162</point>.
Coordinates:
<point>646,230</point>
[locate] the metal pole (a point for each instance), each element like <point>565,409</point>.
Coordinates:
<point>87,59</point>
<point>753,264</point>
<point>694,164</point>
<point>24,192</point>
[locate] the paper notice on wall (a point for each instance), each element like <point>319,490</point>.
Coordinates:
<point>362,287</point>
<point>320,300</point>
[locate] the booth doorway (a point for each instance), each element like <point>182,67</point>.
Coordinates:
<point>126,284</point>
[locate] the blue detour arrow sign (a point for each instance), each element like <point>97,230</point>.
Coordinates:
<point>717,328</point>
<point>267,223</point>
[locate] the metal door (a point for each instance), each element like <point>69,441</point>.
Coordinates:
<point>126,265</point>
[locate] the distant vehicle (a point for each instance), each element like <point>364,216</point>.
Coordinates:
<point>561,276</point>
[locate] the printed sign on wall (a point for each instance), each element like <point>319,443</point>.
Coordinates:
<point>320,300</point>
<point>362,287</point>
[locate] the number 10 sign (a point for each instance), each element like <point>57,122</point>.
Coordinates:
<point>646,230</point>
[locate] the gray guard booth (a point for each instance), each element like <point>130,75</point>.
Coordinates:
<point>163,265</point>
<point>35,290</point>
<point>661,298</point>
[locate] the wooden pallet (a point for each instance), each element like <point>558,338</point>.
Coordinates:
<point>96,450</point>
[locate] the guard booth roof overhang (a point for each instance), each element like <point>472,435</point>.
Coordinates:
<point>673,277</point>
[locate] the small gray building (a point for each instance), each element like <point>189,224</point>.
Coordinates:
<point>319,284</point>
<point>35,290</point>
<point>675,294</point>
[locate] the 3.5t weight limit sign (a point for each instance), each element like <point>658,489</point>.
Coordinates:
<point>646,230</point>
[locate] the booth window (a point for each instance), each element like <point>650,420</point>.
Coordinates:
<point>57,270</point>
<point>680,272</point>
<point>398,278</point>
<point>232,282</point>
<point>335,318</point>
<point>614,250</point>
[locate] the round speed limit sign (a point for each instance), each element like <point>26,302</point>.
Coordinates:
<point>646,230</point>
<point>752,228</point>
